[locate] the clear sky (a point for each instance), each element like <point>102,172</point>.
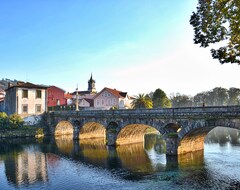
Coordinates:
<point>131,45</point>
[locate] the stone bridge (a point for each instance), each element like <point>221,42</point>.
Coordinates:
<point>184,129</point>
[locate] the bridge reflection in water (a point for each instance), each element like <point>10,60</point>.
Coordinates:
<point>142,158</point>
<point>33,159</point>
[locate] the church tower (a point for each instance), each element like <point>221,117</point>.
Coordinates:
<point>91,86</point>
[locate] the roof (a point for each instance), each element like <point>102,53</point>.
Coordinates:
<point>115,92</point>
<point>56,87</point>
<point>28,85</point>
<point>80,92</point>
<point>90,101</point>
<point>68,96</point>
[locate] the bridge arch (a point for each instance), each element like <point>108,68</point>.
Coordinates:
<point>64,128</point>
<point>192,137</point>
<point>133,133</point>
<point>92,129</point>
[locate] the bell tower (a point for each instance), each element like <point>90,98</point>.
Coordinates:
<point>91,86</point>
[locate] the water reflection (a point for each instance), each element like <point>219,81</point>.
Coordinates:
<point>192,159</point>
<point>24,163</point>
<point>223,135</point>
<point>31,162</point>
<point>134,158</point>
<point>64,143</point>
<point>94,151</point>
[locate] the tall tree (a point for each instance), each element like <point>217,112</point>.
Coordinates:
<point>181,100</point>
<point>142,101</point>
<point>233,96</point>
<point>200,99</point>
<point>218,21</point>
<point>160,99</point>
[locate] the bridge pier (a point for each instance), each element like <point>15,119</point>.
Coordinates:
<point>111,138</point>
<point>172,145</point>
<point>76,132</point>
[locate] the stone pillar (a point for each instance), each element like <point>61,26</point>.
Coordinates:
<point>111,138</point>
<point>172,145</point>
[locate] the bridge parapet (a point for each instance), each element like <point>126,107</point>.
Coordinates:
<point>165,113</point>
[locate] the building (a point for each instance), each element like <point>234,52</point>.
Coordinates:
<point>2,97</point>
<point>26,99</point>
<point>69,98</point>
<point>108,98</point>
<point>55,96</point>
<point>85,98</point>
<point>86,103</point>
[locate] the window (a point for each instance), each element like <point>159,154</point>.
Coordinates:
<point>25,108</point>
<point>58,102</point>
<point>38,94</point>
<point>25,94</point>
<point>98,102</point>
<point>102,102</point>
<point>38,108</point>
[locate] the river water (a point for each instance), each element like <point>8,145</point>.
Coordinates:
<point>65,164</point>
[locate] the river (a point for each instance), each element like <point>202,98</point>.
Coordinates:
<point>88,164</point>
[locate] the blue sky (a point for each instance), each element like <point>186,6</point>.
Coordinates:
<point>131,45</point>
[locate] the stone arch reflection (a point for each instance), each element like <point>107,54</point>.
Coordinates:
<point>94,151</point>
<point>64,144</point>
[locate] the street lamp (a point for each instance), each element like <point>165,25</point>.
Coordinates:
<point>77,99</point>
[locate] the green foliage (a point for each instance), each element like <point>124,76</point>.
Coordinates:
<point>15,121</point>
<point>218,21</point>
<point>114,108</point>
<point>160,99</point>
<point>142,101</point>
<point>172,135</point>
<point>233,96</point>
<point>179,100</point>
<point>3,120</point>
<point>39,132</point>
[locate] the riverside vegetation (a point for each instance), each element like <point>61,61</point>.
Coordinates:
<point>13,126</point>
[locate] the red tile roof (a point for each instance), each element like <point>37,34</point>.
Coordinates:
<point>68,96</point>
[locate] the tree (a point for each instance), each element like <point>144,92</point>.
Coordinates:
<point>15,121</point>
<point>142,101</point>
<point>218,21</point>
<point>3,120</point>
<point>233,96</point>
<point>217,97</point>
<point>160,99</point>
<point>200,99</point>
<point>179,100</point>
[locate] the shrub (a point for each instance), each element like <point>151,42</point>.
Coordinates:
<point>3,120</point>
<point>15,121</point>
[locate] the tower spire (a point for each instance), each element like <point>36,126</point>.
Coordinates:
<point>91,85</point>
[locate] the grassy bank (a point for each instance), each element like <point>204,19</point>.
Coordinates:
<point>22,132</point>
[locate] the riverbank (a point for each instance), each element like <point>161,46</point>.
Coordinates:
<point>22,132</point>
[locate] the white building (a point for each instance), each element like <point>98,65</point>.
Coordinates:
<point>26,99</point>
<point>109,98</point>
